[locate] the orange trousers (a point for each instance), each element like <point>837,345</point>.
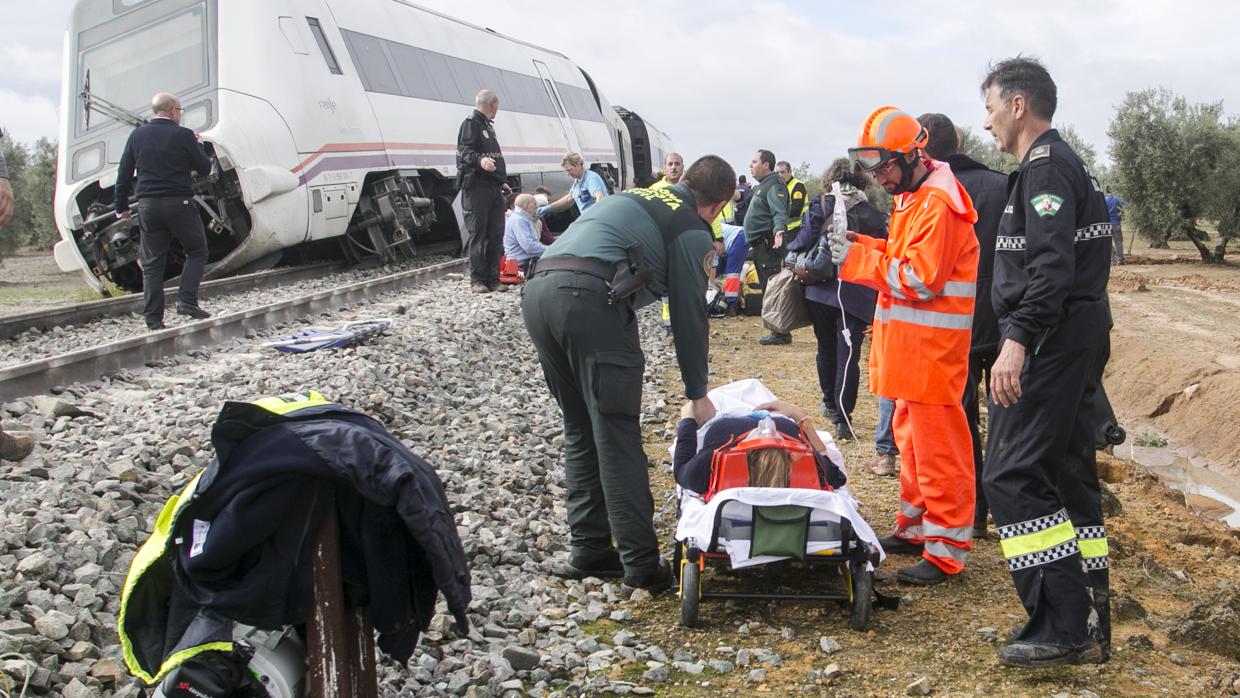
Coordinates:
<point>937,489</point>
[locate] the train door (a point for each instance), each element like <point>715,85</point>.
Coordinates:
<point>570,135</point>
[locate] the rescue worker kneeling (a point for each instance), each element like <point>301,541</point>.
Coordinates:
<point>768,467</point>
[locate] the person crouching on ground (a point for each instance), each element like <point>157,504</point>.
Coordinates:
<point>520,236</point>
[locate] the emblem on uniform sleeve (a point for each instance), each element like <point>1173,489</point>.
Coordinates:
<point>1046,205</point>
<point>709,261</point>
<point>485,134</point>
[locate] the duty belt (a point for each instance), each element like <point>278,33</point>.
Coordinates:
<point>584,265</point>
<point>621,282</point>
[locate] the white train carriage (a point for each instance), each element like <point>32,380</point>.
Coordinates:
<point>331,123</point>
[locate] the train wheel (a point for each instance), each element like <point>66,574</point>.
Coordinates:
<point>690,593</point>
<point>862,584</point>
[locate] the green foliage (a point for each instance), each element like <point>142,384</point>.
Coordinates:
<point>1175,164</point>
<point>32,175</point>
<point>983,150</point>
<point>813,182</point>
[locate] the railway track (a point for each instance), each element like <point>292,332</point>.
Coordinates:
<point>81,313</point>
<point>40,376</point>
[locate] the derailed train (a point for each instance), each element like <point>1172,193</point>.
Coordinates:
<point>331,125</point>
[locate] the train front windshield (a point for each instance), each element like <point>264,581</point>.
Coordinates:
<point>126,65</point>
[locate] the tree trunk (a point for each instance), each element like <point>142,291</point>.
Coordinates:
<point>1198,238</point>
<point>1220,250</point>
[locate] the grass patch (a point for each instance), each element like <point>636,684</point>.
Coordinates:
<point>1150,440</point>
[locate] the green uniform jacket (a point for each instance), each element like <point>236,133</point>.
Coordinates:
<point>680,269</point>
<point>768,210</point>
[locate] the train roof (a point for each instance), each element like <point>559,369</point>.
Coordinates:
<point>483,29</point>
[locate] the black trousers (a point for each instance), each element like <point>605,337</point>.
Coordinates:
<point>592,360</point>
<point>980,363</point>
<point>766,260</point>
<point>836,370</point>
<point>162,220</point>
<point>483,205</point>
<point>1041,482</point>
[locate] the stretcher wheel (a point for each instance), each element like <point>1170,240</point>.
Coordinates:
<point>862,582</point>
<point>690,593</point>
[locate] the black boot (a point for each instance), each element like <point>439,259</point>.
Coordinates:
<point>661,579</point>
<point>924,573</point>
<point>895,545</point>
<point>1036,654</point>
<point>775,338</point>
<point>605,565</point>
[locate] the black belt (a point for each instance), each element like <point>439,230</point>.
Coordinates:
<point>584,265</point>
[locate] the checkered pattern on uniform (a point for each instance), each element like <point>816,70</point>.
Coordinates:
<point>1033,525</point>
<point>1091,232</point>
<point>1093,564</point>
<point>1010,242</point>
<point>1090,532</point>
<point>1042,557</point>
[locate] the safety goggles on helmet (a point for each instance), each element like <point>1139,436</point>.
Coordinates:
<point>870,159</point>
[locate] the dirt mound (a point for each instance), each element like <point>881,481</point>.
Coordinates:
<point>1124,281</point>
<point>1213,624</point>
<point>1185,395</point>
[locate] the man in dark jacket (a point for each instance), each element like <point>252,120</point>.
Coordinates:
<point>1052,261</point>
<point>988,189</point>
<point>766,219</point>
<point>483,178</point>
<point>163,153</point>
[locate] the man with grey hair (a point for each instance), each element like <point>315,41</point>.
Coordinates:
<point>521,241</point>
<point>162,152</point>
<point>483,179</point>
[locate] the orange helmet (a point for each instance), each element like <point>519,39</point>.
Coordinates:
<point>887,133</point>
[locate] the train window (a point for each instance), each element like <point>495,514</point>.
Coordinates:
<point>328,54</point>
<point>466,74</point>
<point>372,63</point>
<point>445,85</point>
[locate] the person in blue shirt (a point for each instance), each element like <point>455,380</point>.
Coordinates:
<point>520,236</point>
<point>588,187</point>
<point>1115,208</point>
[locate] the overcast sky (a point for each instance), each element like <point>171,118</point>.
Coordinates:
<point>797,77</point>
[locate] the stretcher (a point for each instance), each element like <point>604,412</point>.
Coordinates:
<point>737,525</point>
<point>510,271</point>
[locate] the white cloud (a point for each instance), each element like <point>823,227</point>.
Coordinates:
<point>729,76</point>
<point>26,118</point>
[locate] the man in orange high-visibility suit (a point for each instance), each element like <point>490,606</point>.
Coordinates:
<point>925,274</point>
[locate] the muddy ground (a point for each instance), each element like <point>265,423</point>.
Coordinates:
<point>1169,566</point>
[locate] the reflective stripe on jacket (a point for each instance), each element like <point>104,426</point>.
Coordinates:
<point>797,196</point>
<point>926,277</point>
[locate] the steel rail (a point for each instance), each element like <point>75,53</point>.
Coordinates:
<point>39,377</point>
<point>82,313</point>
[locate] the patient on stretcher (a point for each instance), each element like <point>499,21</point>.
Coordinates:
<point>768,467</point>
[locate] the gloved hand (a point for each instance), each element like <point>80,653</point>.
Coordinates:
<point>542,211</point>
<point>840,243</point>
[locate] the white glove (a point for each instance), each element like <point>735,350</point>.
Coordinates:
<point>839,244</point>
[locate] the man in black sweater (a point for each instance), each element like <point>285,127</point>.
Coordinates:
<point>163,153</point>
<point>988,189</point>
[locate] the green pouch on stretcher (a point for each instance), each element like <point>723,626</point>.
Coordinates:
<point>780,530</point>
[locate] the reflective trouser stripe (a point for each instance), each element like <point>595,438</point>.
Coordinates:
<point>910,511</point>
<point>667,311</point>
<point>732,286</point>
<point>1037,541</point>
<point>961,534</point>
<point>1093,548</point>
<point>1092,540</point>
<point>938,548</point>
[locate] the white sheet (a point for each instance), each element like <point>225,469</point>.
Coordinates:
<point>697,518</point>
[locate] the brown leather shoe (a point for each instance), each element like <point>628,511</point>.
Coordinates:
<point>881,464</point>
<point>498,287</point>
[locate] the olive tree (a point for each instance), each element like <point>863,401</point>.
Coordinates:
<point>1168,158</point>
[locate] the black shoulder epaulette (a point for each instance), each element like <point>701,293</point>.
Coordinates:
<point>1042,151</point>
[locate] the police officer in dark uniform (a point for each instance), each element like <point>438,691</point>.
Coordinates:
<point>1052,260</point>
<point>580,308</point>
<point>765,222</point>
<point>483,178</point>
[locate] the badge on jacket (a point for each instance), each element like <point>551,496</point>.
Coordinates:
<point>485,134</point>
<point>1046,205</point>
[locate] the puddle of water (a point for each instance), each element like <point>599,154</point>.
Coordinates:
<point>1177,471</point>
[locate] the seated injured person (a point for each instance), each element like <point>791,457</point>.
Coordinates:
<point>768,467</point>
